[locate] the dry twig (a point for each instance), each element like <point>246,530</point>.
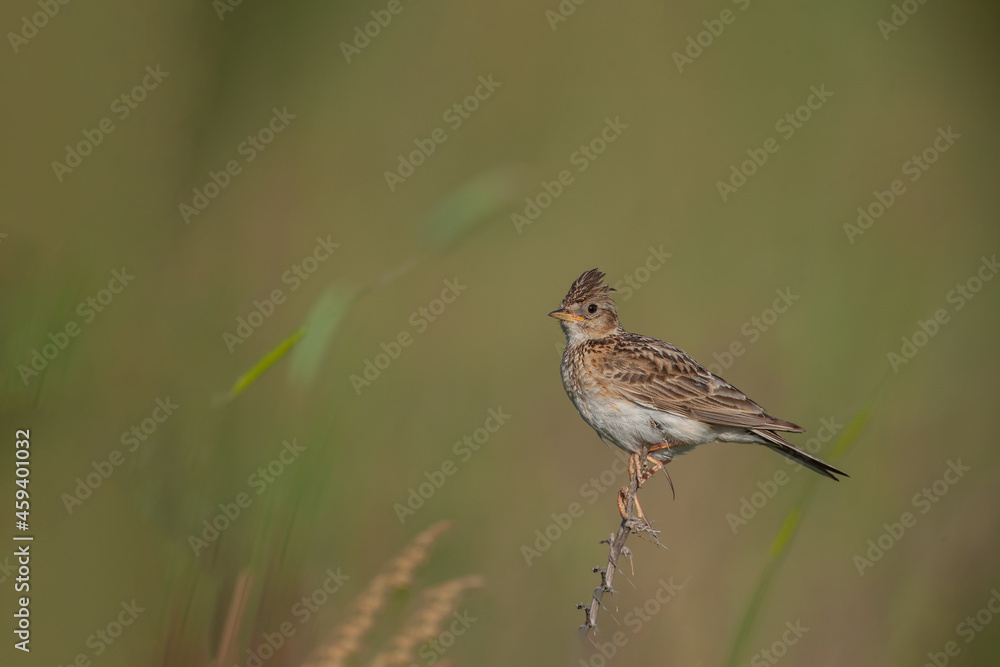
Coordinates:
<point>617,550</point>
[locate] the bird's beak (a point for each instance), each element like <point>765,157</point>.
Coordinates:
<point>563,315</point>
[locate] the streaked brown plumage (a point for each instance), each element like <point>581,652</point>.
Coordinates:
<point>640,392</point>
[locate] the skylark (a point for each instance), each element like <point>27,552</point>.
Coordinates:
<point>644,394</point>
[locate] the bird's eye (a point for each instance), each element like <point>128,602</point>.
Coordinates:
<point>592,308</point>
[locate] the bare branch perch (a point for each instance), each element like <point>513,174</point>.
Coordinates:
<point>617,550</point>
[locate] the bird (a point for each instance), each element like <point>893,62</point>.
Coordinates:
<point>647,395</point>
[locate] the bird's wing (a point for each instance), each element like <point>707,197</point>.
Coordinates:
<point>658,375</point>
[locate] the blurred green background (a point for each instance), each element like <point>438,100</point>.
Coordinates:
<point>653,190</point>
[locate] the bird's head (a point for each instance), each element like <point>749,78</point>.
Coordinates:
<point>587,311</point>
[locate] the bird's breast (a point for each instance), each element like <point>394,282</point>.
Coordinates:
<point>616,419</point>
<point>621,421</point>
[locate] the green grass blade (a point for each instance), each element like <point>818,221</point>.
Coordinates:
<point>470,205</point>
<point>322,323</point>
<point>265,363</point>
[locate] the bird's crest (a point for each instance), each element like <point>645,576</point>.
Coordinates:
<point>589,286</point>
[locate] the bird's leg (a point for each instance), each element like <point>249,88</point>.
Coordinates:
<point>623,505</point>
<point>637,474</point>
<point>638,510</point>
<point>634,466</point>
<point>634,475</point>
<point>658,465</point>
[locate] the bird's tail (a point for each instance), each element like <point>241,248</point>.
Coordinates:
<point>785,448</point>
